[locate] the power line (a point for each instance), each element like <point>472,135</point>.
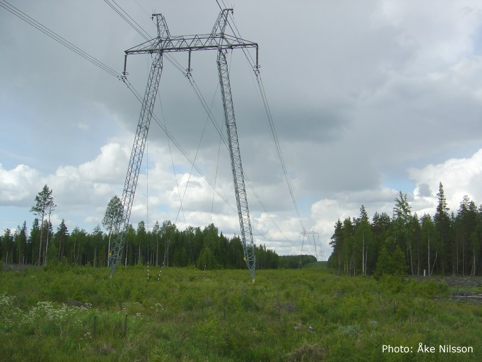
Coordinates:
<point>135,22</point>
<point>144,10</point>
<point>173,166</point>
<point>127,18</point>
<point>278,147</point>
<point>53,35</point>
<point>221,135</point>
<point>194,161</point>
<point>269,118</point>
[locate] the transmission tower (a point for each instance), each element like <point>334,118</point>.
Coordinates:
<point>165,43</point>
<point>314,237</point>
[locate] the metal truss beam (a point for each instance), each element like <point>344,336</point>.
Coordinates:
<point>191,43</point>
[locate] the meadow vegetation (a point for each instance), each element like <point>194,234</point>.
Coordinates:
<point>80,314</point>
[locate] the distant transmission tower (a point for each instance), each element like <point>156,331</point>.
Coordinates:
<point>312,238</point>
<point>165,43</point>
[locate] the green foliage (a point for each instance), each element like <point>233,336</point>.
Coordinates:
<point>82,314</point>
<point>113,213</point>
<point>383,264</point>
<point>440,245</point>
<point>398,263</point>
<point>44,204</point>
<point>427,289</point>
<point>391,264</point>
<point>295,261</point>
<point>318,265</point>
<point>52,254</point>
<point>193,246</point>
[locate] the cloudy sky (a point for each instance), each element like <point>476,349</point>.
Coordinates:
<point>369,98</point>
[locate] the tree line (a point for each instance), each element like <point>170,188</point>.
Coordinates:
<point>165,244</point>
<point>447,243</point>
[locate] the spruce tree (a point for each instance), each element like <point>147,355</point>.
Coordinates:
<point>442,224</point>
<point>61,237</point>
<point>337,244</point>
<point>402,216</point>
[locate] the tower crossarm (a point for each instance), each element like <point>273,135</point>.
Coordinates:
<point>217,40</point>
<point>191,43</point>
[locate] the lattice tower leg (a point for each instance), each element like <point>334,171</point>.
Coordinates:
<point>147,109</point>
<point>236,165</point>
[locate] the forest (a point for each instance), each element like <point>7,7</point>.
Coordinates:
<point>165,244</point>
<point>449,243</point>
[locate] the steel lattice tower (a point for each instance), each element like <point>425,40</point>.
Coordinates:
<point>315,240</point>
<point>164,43</point>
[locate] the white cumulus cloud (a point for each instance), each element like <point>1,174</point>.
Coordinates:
<point>459,176</point>
<point>16,185</point>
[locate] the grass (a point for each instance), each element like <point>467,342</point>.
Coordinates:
<point>318,265</point>
<point>312,314</point>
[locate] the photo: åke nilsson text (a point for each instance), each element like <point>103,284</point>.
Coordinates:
<point>442,348</point>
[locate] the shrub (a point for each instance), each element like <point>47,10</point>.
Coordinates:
<point>390,264</point>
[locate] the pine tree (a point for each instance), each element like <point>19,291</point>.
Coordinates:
<point>44,204</point>
<point>364,237</point>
